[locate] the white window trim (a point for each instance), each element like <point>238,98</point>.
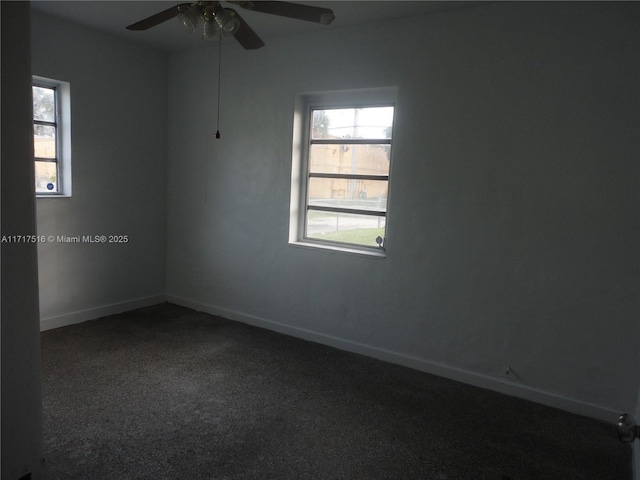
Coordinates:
<point>304,103</point>
<point>63,120</point>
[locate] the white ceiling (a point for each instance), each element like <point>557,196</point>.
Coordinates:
<point>114,16</point>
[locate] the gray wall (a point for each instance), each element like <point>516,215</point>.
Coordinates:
<point>513,223</point>
<point>21,419</point>
<point>118,115</point>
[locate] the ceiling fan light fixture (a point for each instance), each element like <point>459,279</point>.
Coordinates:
<point>191,18</point>
<point>211,30</point>
<point>228,22</point>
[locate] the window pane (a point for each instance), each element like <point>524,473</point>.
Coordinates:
<point>358,159</point>
<point>46,177</point>
<point>347,193</point>
<point>44,141</point>
<point>44,104</point>
<point>343,227</point>
<point>372,122</point>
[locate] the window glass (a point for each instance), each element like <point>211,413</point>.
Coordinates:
<point>44,141</point>
<point>51,137</point>
<point>46,177</point>
<point>348,174</point>
<point>348,193</point>
<point>349,158</point>
<point>345,228</point>
<point>370,122</point>
<point>44,104</point>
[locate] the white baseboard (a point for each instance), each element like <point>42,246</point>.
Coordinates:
<point>97,312</point>
<point>465,376</point>
<point>636,448</point>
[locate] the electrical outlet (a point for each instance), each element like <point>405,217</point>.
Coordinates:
<point>511,373</point>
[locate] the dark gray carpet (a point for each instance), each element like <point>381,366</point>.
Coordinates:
<point>170,393</point>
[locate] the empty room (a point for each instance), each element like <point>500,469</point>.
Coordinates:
<point>320,240</point>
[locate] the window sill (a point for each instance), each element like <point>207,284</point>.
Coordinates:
<point>56,195</point>
<point>371,253</point>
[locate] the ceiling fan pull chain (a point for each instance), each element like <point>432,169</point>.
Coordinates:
<point>219,68</point>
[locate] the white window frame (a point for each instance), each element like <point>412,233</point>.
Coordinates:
<point>304,106</point>
<point>63,135</point>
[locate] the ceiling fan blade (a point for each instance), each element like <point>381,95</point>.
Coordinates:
<point>292,10</point>
<point>245,35</point>
<point>158,18</point>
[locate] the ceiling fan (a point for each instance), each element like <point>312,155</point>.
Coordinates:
<point>222,21</point>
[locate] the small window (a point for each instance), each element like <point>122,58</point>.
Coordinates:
<point>51,137</point>
<point>345,169</point>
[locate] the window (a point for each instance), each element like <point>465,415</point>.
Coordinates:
<point>342,187</point>
<point>51,137</point>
